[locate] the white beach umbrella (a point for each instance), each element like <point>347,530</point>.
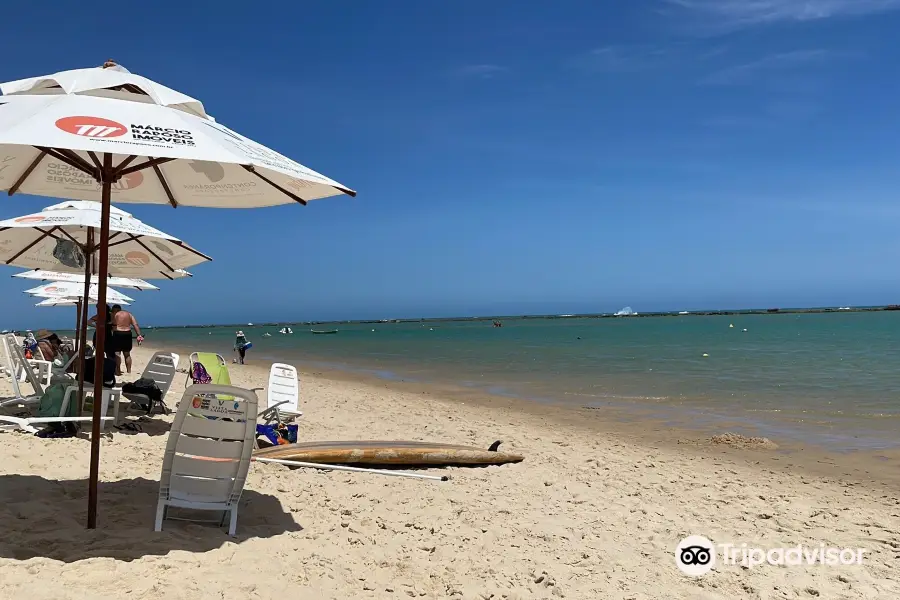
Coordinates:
<point>110,81</point>
<point>52,146</point>
<point>64,289</point>
<point>124,282</point>
<point>182,159</point>
<point>70,302</point>
<point>57,239</point>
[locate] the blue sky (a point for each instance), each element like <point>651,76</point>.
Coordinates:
<point>518,156</point>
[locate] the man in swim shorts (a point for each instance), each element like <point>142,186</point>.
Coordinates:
<point>123,321</point>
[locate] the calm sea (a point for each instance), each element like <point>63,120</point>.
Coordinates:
<point>831,379</point>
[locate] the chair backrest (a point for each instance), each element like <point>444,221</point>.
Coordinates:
<point>11,366</point>
<point>17,360</point>
<point>161,369</point>
<point>284,387</point>
<point>209,447</point>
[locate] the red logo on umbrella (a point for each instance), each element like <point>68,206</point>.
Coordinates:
<point>29,219</point>
<point>94,127</point>
<point>138,259</point>
<point>50,289</point>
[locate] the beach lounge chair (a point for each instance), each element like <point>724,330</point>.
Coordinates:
<point>283,401</point>
<point>18,366</point>
<point>208,452</point>
<point>15,361</point>
<point>161,369</point>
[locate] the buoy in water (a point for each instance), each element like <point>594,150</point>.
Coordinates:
<point>730,325</point>
<point>745,330</point>
<point>705,355</point>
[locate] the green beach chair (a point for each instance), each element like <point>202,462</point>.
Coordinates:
<point>214,364</point>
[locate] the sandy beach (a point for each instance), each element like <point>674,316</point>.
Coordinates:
<point>595,510</point>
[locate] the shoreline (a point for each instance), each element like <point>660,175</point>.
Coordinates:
<point>635,426</point>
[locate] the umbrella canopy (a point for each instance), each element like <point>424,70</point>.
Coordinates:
<point>57,237</point>
<point>110,81</point>
<point>125,282</point>
<point>51,146</point>
<point>69,302</point>
<point>76,290</point>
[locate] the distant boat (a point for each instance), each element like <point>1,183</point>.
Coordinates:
<point>845,308</point>
<point>249,324</point>
<point>285,330</point>
<point>267,334</point>
<point>626,312</point>
<point>684,312</point>
<point>321,332</point>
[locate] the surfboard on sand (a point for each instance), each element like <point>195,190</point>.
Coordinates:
<point>389,453</point>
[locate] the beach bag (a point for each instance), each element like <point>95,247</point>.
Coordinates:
<point>280,434</point>
<point>146,387</point>
<point>69,254</point>
<point>199,374</point>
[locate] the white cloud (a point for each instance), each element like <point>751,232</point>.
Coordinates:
<point>745,13</point>
<point>748,72</point>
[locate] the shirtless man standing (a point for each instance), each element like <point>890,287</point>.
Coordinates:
<point>123,321</point>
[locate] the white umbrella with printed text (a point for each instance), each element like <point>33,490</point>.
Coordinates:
<point>56,239</point>
<point>182,159</point>
<point>64,289</point>
<point>125,282</point>
<point>69,302</point>
<point>109,81</point>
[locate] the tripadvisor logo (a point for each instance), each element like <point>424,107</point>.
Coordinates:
<point>166,135</point>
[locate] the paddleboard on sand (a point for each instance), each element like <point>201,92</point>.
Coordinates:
<point>389,453</point>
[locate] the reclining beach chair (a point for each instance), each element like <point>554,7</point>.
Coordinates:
<point>19,366</point>
<point>208,452</point>
<point>15,361</point>
<point>161,369</point>
<point>283,401</point>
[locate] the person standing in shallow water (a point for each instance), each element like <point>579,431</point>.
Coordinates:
<point>240,341</point>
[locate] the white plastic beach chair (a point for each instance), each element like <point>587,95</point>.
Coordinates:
<point>161,369</point>
<point>15,360</point>
<point>18,366</point>
<point>207,457</point>
<point>283,401</point>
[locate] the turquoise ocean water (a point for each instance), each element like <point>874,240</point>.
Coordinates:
<point>831,379</point>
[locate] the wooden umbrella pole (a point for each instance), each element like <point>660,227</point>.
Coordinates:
<point>106,176</point>
<point>82,348</point>
<point>77,324</point>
